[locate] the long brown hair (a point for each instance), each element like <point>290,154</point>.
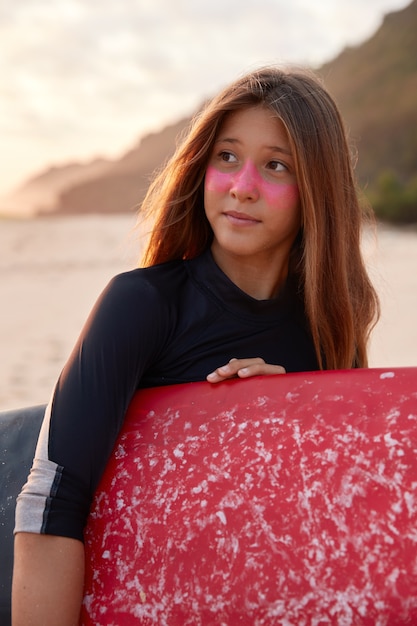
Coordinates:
<point>340,301</point>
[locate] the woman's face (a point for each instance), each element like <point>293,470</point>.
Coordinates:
<point>251,195</point>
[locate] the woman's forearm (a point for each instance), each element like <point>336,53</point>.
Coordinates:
<point>48,580</point>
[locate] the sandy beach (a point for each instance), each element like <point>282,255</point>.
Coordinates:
<point>53,269</point>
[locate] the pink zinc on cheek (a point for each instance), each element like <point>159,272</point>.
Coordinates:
<point>280,195</point>
<point>217,181</point>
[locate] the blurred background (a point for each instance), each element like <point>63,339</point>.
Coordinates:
<point>92,99</point>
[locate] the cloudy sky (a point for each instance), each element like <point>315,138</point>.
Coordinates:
<point>82,78</point>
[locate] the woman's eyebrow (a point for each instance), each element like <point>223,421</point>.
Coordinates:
<point>227,140</point>
<point>233,140</point>
<point>280,149</point>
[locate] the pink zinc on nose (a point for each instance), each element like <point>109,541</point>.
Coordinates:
<point>245,179</point>
<point>276,195</point>
<point>248,176</point>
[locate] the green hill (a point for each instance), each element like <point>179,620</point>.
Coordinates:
<point>375,86</point>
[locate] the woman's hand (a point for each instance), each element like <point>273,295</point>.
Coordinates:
<point>244,368</point>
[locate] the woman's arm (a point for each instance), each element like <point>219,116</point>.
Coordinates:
<point>48,580</point>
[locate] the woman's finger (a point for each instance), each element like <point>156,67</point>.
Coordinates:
<point>244,368</point>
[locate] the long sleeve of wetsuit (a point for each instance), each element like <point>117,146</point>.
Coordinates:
<point>121,337</point>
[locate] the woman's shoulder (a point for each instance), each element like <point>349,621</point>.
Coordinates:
<point>145,281</point>
<point>145,293</point>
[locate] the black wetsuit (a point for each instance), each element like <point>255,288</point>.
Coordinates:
<point>171,323</point>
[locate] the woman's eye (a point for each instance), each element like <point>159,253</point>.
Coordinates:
<point>227,157</point>
<point>277,166</point>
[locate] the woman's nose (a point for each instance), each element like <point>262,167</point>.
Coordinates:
<point>245,184</point>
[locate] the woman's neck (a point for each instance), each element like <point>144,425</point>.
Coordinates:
<point>260,278</point>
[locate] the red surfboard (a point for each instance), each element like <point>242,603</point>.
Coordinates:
<point>273,500</point>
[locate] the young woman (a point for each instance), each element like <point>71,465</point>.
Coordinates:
<point>253,267</point>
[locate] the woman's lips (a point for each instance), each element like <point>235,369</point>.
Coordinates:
<point>240,219</point>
